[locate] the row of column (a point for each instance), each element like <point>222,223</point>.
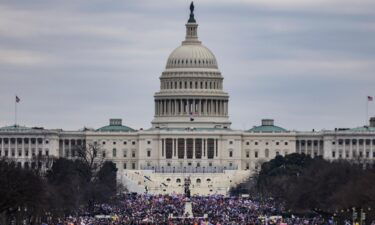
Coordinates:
<point>65,150</point>
<point>208,148</point>
<point>176,107</point>
<point>343,148</point>
<point>9,148</point>
<point>191,85</point>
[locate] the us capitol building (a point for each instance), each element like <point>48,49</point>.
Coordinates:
<point>190,134</point>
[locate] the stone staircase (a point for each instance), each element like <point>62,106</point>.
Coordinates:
<point>169,183</point>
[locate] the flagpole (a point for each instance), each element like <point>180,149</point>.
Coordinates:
<point>15,111</point>
<point>367,121</point>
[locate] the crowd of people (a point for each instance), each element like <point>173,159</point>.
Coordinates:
<point>170,209</point>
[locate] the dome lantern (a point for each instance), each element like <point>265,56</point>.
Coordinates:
<point>191,29</point>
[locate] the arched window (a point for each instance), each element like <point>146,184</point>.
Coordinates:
<point>178,180</point>
<point>198,180</point>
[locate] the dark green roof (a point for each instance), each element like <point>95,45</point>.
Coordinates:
<point>116,128</point>
<point>15,128</point>
<point>363,129</point>
<point>267,129</point>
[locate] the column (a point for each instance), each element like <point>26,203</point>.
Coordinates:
<point>344,148</point>
<point>70,148</point>
<point>371,149</point>
<point>36,146</point>
<point>2,145</point>
<point>199,106</point>
<point>223,107</point>
<point>16,148</point>
<point>174,148</point>
<point>194,148</point>
<point>175,107</point>
<point>205,148</point>
<point>357,148</point>
<point>215,148</point>
<point>351,148</point>
<point>216,107</point>
<point>180,112</point>
<point>23,147</point>
<point>318,147</point>
<point>185,156</point>
<point>156,107</point>
<point>161,149</point>
<point>29,147</point>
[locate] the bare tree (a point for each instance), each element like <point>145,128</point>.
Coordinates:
<point>92,156</point>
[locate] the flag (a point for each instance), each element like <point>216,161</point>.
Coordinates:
<point>17,99</point>
<point>370,98</point>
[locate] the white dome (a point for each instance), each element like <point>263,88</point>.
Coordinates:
<point>191,56</point>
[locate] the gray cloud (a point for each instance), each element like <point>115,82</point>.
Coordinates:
<point>308,64</point>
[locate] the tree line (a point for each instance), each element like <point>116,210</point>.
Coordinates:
<point>306,185</point>
<point>67,188</point>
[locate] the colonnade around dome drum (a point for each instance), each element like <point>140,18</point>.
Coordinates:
<point>191,106</point>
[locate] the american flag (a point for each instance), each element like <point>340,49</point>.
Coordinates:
<point>370,98</point>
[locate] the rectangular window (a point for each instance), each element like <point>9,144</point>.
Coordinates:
<point>231,154</point>
<point>148,153</point>
<point>189,148</point>
<point>47,152</point>
<point>198,148</point>
<point>181,148</point>
<point>114,153</point>
<point>210,148</point>
<point>103,154</point>
<point>333,154</point>
<point>124,166</point>
<point>247,166</point>
<point>168,148</point>
<point>255,154</point>
<point>133,154</point>
<point>19,153</point>
<point>125,153</point>
<point>133,166</point>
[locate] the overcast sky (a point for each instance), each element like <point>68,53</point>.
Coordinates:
<point>309,64</point>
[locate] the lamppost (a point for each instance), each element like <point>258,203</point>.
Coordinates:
<point>355,215</point>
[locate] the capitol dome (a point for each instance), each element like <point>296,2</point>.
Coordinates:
<point>191,87</point>
<point>191,55</point>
